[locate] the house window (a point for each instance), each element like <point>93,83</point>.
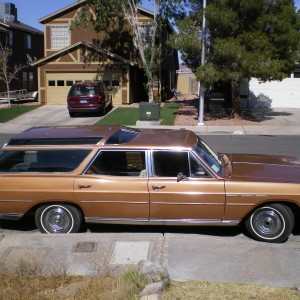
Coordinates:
<point>59,37</point>
<point>25,80</point>
<point>28,42</point>
<point>11,39</point>
<point>115,83</point>
<point>31,81</point>
<point>51,83</point>
<point>146,31</point>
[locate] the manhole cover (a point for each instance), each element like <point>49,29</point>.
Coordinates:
<point>85,247</point>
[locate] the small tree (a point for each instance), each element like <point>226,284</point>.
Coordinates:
<point>102,15</point>
<point>7,74</point>
<point>244,39</point>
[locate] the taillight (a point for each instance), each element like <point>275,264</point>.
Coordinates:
<point>99,99</point>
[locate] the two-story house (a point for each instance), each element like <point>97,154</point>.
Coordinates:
<point>82,54</point>
<point>26,44</point>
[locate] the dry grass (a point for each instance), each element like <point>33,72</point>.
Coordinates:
<point>209,290</point>
<point>128,287</point>
<point>60,287</point>
<point>125,287</point>
<point>24,278</point>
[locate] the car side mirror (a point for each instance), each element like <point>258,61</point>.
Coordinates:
<point>180,176</point>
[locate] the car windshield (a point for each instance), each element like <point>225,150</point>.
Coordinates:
<point>209,155</point>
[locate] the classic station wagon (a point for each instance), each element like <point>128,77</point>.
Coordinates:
<point>69,175</point>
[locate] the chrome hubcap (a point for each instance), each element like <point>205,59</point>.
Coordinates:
<point>268,223</point>
<point>57,220</point>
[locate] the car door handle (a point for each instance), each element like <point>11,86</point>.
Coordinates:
<point>84,186</point>
<point>158,187</point>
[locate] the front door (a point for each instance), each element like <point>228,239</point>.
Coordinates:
<point>196,196</point>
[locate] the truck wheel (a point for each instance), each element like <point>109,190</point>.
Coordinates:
<point>58,218</point>
<point>272,223</point>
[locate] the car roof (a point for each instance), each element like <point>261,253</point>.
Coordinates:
<point>86,83</point>
<point>107,136</point>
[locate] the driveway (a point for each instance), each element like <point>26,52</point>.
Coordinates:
<point>44,116</point>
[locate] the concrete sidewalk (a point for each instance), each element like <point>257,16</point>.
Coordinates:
<point>185,256</point>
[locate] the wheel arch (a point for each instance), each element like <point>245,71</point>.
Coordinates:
<point>292,205</point>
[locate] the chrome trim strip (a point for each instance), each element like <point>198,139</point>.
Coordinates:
<point>175,222</point>
<point>119,202</point>
<point>239,204</point>
<point>213,222</point>
<point>21,201</point>
<point>188,203</point>
<point>10,216</point>
<point>248,195</point>
<point>115,220</point>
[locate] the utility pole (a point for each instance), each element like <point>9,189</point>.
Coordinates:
<point>202,89</point>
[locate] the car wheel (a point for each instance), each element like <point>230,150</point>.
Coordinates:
<point>271,223</point>
<point>58,218</point>
<point>102,110</point>
<point>71,114</point>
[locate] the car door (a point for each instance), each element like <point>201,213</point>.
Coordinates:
<point>30,177</point>
<point>114,187</point>
<point>193,196</point>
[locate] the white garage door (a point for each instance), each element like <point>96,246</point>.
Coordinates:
<point>59,84</point>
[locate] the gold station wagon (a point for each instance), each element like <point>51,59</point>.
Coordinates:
<point>111,174</point>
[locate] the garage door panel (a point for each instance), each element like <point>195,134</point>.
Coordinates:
<point>59,84</point>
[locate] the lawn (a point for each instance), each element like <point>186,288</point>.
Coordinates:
<point>129,115</point>
<point>7,114</point>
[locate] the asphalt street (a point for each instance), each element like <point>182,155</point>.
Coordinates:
<point>261,144</point>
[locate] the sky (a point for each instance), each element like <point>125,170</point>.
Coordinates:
<point>30,11</point>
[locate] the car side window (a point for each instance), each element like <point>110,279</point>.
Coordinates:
<point>119,163</point>
<point>197,170</point>
<point>42,161</point>
<point>170,163</point>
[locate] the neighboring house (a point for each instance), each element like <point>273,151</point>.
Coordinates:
<point>26,43</point>
<point>187,83</point>
<point>78,55</point>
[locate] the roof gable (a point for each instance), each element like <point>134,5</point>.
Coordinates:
<point>76,5</point>
<point>81,44</point>
<point>80,3</point>
<point>61,11</point>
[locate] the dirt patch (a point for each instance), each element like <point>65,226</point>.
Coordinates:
<point>216,115</point>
